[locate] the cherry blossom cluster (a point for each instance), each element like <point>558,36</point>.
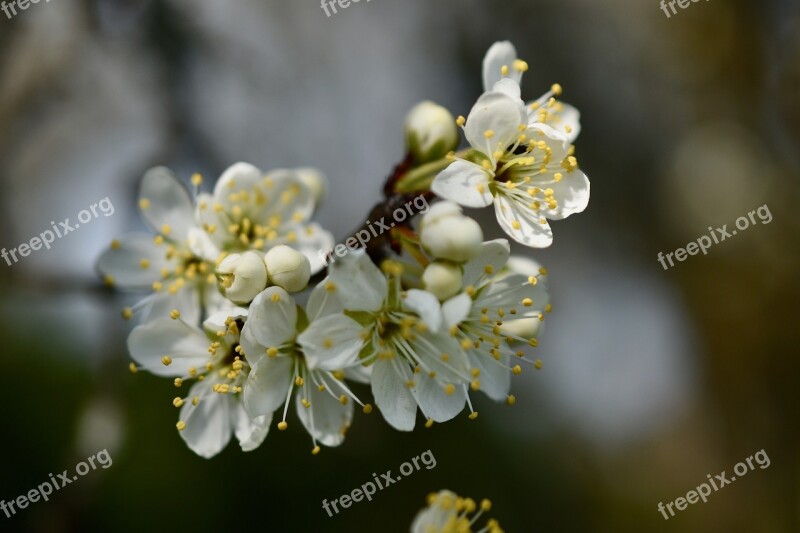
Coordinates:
<point>245,318</point>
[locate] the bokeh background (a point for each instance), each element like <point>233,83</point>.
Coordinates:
<point>651,380</point>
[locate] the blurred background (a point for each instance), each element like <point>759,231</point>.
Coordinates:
<point>652,379</point>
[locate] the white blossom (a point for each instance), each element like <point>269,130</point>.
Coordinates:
<point>518,162</point>
<point>212,411</point>
<point>280,366</point>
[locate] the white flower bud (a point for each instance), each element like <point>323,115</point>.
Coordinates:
<point>242,276</point>
<point>527,328</point>
<point>288,268</point>
<point>442,279</point>
<point>315,181</point>
<point>431,132</point>
<point>448,234</point>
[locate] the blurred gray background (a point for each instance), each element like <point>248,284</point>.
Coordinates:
<point>651,380</point>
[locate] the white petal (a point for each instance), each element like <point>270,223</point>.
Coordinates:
<point>393,398</point>
<point>533,230</point>
<point>434,402</point>
<point>124,263</point>
<point>332,342</point>
<point>427,306</point>
<point>456,309</point>
<point>237,177</point>
<point>435,518</point>
<point>310,241</point>
<point>430,348</point>
<point>186,300</point>
<point>253,351</point>
<point>518,264</point>
<point>213,300</point>
<point>572,194</point>
<point>185,345</point>
<point>509,87</point>
<point>495,378</point>
<point>207,217</point>
<point>208,425</point>
<point>566,118</point>
<point>359,374</point>
<point>272,319</point>
<point>202,245</point>
<point>498,113</point>
<point>464,183</point>
<point>288,197</point>
<point>498,296</point>
<point>249,432</point>
<point>359,284</point>
<point>216,321</point>
<point>555,140</point>
<point>327,420</point>
<point>499,54</point>
<point>169,203</point>
<point>494,255</point>
<point>322,302</point>
<point>267,385</point>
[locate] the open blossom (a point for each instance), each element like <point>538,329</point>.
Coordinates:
<point>248,211</point>
<point>279,366</point>
<point>519,161</point>
<point>397,333</point>
<point>212,411</point>
<point>494,298</point>
<point>449,513</point>
<point>164,263</point>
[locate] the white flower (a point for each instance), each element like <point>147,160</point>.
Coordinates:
<point>442,279</point>
<point>430,132</point>
<point>447,234</point>
<point>242,276</point>
<point>253,211</point>
<point>525,167</point>
<point>279,366</point>
<point>449,513</point>
<point>287,268</point>
<point>491,298</point>
<point>213,410</point>
<point>396,332</point>
<point>165,263</point>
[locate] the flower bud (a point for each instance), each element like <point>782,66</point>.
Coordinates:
<point>431,132</point>
<point>288,268</point>
<point>527,328</point>
<point>242,276</point>
<point>315,181</point>
<point>442,279</point>
<point>447,234</point>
